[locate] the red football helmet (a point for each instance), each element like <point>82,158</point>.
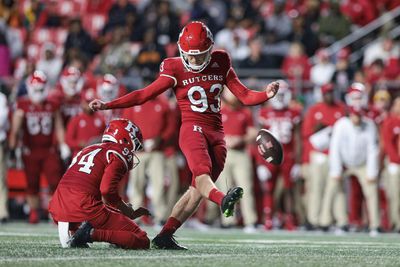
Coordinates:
<point>107,88</point>
<point>124,132</point>
<point>36,86</point>
<point>71,81</point>
<point>195,39</point>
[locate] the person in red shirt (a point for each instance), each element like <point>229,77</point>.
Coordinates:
<point>152,118</point>
<point>284,123</point>
<point>197,79</point>
<point>40,121</point>
<point>87,194</point>
<point>87,127</point>
<point>239,131</point>
<point>390,133</point>
<point>316,129</point>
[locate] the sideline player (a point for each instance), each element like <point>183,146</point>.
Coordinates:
<point>88,191</point>
<point>197,78</point>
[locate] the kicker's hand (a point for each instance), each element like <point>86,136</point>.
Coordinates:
<point>272,89</point>
<point>140,212</point>
<point>97,105</point>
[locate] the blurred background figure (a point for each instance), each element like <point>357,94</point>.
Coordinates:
<point>316,130</point>
<point>391,144</point>
<point>39,120</point>
<point>354,150</point>
<point>149,176</point>
<point>50,64</point>
<point>239,132</point>
<point>87,127</point>
<point>284,123</point>
<point>108,88</point>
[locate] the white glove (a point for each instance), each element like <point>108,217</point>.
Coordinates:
<point>295,172</point>
<point>65,152</point>
<point>263,173</point>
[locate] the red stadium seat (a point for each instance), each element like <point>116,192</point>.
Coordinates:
<point>16,182</point>
<point>94,23</point>
<point>59,36</point>
<point>41,35</point>
<point>33,51</point>
<point>69,8</point>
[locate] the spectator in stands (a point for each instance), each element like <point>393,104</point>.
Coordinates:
<point>213,12</point>
<point>384,49</point>
<point>50,64</point>
<point>360,12</point>
<point>87,127</point>
<point>316,129</point>
<point>240,131</point>
<point>279,22</point>
<point>391,144</point>
<point>304,34</point>
<point>79,39</point>
<point>256,59</point>
<point>13,37</point>
<point>354,150</point>
<point>234,40</point>
<point>151,54</point>
<point>34,15</point>
<point>296,67</point>
<point>344,73</point>
<point>167,24</point>
<point>321,73</point>
<point>333,25</point>
<point>117,14</point>
<point>4,216</point>
<point>116,57</point>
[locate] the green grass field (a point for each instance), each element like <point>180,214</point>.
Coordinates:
<point>25,245</point>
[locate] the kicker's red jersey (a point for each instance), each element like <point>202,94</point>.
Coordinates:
<point>38,124</point>
<point>197,94</point>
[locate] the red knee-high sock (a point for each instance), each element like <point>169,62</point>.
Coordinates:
<point>125,239</point>
<point>170,226</point>
<point>216,196</point>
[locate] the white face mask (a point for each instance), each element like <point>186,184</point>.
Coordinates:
<point>71,87</point>
<point>37,95</point>
<point>281,100</point>
<point>194,67</point>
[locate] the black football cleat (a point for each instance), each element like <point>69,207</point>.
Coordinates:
<point>166,242</point>
<point>81,236</point>
<point>228,202</point>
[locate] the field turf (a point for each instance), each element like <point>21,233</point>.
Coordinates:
<point>25,245</point>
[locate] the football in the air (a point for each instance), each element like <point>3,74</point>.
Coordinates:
<point>269,147</point>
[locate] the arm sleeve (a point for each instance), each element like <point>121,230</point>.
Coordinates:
<point>113,173</point>
<point>308,126</point>
<point>160,85</point>
<point>373,152</point>
<point>335,161</point>
<point>246,96</point>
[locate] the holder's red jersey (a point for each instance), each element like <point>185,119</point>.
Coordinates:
<point>197,94</point>
<point>38,124</point>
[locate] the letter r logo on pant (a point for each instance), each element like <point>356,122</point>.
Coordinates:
<point>197,128</point>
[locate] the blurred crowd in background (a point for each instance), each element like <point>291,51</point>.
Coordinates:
<point>73,51</point>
